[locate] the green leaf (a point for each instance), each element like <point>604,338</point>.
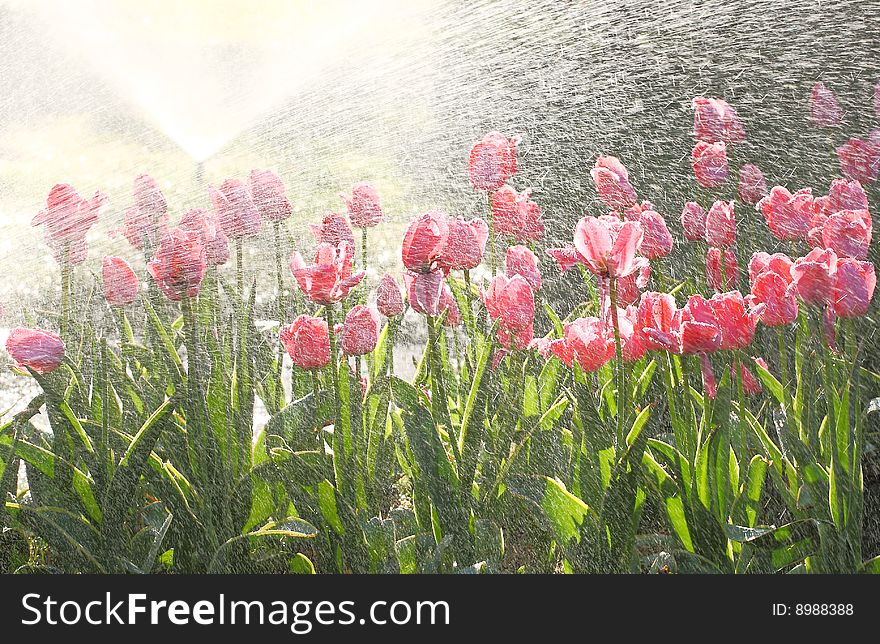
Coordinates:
<point>327,503</point>
<point>770,381</point>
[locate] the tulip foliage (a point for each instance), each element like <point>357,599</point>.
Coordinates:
<point>707,421</point>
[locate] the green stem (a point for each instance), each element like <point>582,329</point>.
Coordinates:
<point>621,385</point>
<point>239,267</point>
<point>740,401</point>
<point>279,271</point>
<point>491,241</point>
<point>66,270</point>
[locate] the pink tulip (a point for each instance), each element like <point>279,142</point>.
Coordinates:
<point>656,238</point>
<point>522,261</point>
<point>515,215</point>
<point>307,342</point>
<point>813,276</point>
<point>360,332</point>
<point>448,304</point>
<point>66,220</point>
<point>364,207</point>
<point>693,221</point>
<point>715,120</point>
<point>751,385</point>
<point>842,195</point>
<point>752,185</point>
<point>854,284</point>
<point>464,245</point>
<point>566,257</point>
<point>424,241</point>
<point>721,225</point>
<point>512,300</point>
<point>179,264</point>
<point>656,317</point>
<point>587,341</point>
<point>424,291</point>
<point>333,229</point>
<point>35,349</point>
<point>329,279</point>
<point>121,284</point>
<point>709,162</point>
<point>859,160</point>
<point>612,182</point>
<point>848,233</point>
<point>632,340</point>
<point>629,288</point>
<point>236,211</point>
<point>147,220</point>
<point>389,297</point>
<point>269,195</point>
<point>824,109</point>
<point>492,161</point>
<point>204,223</point>
<point>699,331</point>
<point>634,212</point>
<point>787,214</point>
<point>762,262</point>
<point>777,296</point>
<point>608,245</point>
<point>710,385</point>
<point>736,320</point>
<point>714,278</point>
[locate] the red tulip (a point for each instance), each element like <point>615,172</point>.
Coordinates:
<point>612,182</point>
<point>329,279</point>
<point>235,208</point>
<point>268,193</point>
<point>360,332</point>
<point>735,319</point>
<point>333,230</point>
<point>448,304</point>
<point>35,349</point>
<point>656,318</point>
<point>179,264</point>
<point>147,220</point>
<point>762,262</point>
<point>389,297</point>
<point>492,161</point>
<point>424,241</point>
<point>629,288</point>
<point>859,160</point>
<point>307,342</point>
<point>813,276</point>
<point>693,221</point>
<point>464,245</point>
<point>787,214</point>
<point>715,120</point>
<point>848,233</point>
<point>521,261</point>
<point>752,185</point>
<point>424,291</point>
<point>204,223</point>
<point>854,284</point>
<point>148,198</point>
<point>713,270</point>
<point>121,284</point>
<point>67,219</point>
<point>778,298</point>
<point>364,207</point>
<point>566,257</point>
<point>515,215</point>
<point>608,245</point>
<point>632,340</point>
<point>824,109</point>
<point>587,341</point>
<point>699,331</point>
<point>656,238</point>
<point>721,225</point>
<point>709,161</point>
